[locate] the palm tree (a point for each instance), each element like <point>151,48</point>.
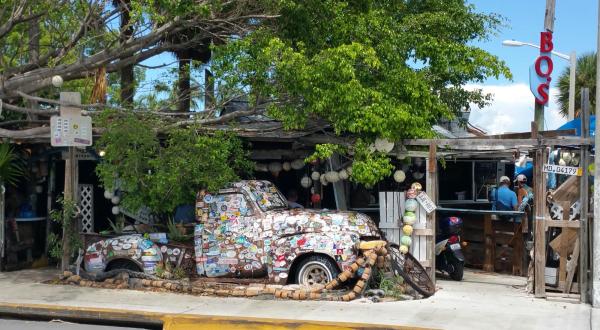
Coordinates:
<point>585,77</point>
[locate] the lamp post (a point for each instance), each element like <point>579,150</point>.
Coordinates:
<point>572,58</point>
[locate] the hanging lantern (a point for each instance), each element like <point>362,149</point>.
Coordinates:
<point>286,166</point>
<point>315,198</point>
<point>409,218</point>
<point>343,174</point>
<point>399,176</point>
<point>418,175</point>
<point>407,230</point>
<point>315,175</point>
<point>383,145</point>
<point>108,194</point>
<point>115,210</point>
<point>297,164</point>
<point>411,205</point>
<point>323,179</point>
<point>332,176</point>
<point>417,187</point>
<point>406,240</point>
<point>115,200</point>
<point>275,168</point>
<point>418,161</point>
<point>261,167</point>
<point>306,182</point>
<point>403,249</point>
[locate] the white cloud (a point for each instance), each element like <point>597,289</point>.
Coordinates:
<point>512,109</point>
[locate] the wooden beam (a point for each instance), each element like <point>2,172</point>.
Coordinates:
<point>527,135</point>
<point>539,193</point>
<point>432,188</point>
<point>562,223</point>
<point>584,198</point>
<point>487,144</point>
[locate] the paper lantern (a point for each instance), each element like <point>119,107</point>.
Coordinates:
<point>275,167</point>
<point>306,182</point>
<point>407,230</point>
<point>297,164</point>
<point>108,194</point>
<point>115,210</point>
<point>411,193</point>
<point>403,249</point>
<point>418,161</point>
<point>411,205</point>
<point>57,81</point>
<point>286,166</point>
<point>409,218</point>
<point>315,175</point>
<point>343,174</point>
<point>261,167</point>
<point>416,186</point>
<point>115,200</point>
<point>383,145</point>
<point>399,176</point>
<point>418,175</point>
<point>332,176</point>
<point>406,240</point>
<point>315,198</point>
<point>323,179</point>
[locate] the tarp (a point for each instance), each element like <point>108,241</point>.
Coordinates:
<point>576,124</point>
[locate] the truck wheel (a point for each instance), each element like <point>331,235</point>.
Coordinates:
<point>316,269</point>
<point>123,264</point>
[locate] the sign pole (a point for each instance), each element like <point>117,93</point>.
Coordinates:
<point>540,182</point>
<point>596,220</point>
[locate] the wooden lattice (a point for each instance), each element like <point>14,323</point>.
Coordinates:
<point>86,204</point>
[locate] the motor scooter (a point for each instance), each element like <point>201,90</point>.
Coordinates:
<point>448,249</point>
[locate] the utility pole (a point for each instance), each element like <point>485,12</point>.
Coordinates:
<point>540,182</point>
<point>596,222</point>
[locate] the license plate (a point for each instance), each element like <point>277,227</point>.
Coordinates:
<point>455,246</point>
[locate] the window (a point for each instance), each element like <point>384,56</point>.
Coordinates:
<point>467,180</point>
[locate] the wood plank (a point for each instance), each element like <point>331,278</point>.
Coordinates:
<point>584,247</point>
<point>488,260</point>
<point>562,223</point>
<point>432,191</point>
<point>572,267</point>
<point>539,228</point>
<point>423,232</point>
<point>518,246</point>
<point>490,144</point>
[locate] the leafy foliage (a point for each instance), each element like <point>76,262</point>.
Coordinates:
<point>65,217</point>
<point>162,172</point>
<point>11,167</point>
<point>368,69</point>
<point>585,77</point>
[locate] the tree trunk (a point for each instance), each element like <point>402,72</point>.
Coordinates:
<point>127,75</point>
<point>34,54</point>
<point>184,85</point>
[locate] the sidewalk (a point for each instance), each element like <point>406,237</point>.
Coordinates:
<point>480,301</point>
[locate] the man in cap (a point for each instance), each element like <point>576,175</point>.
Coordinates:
<point>524,192</point>
<point>506,199</point>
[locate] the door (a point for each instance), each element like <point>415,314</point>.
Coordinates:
<point>231,243</point>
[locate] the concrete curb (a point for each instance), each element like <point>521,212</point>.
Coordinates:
<point>171,321</point>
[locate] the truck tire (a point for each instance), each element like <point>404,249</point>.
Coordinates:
<point>316,269</point>
<point>123,264</point>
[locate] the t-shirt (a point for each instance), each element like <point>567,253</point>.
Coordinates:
<point>507,199</point>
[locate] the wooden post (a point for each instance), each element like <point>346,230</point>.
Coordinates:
<point>71,169</point>
<point>431,186</point>
<point>595,299</point>
<point>539,193</point>
<point>490,244</point>
<point>584,199</point>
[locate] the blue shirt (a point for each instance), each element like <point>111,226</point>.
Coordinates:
<point>507,199</point>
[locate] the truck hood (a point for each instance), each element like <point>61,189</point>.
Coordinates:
<point>287,222</point>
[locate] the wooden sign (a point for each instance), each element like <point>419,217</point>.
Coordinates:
<point>426,202</point>
<point>566,170</point>
<point>71,131</point>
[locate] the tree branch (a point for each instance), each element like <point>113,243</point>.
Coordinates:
<point>26,133</point>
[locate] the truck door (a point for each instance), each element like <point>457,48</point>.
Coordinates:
<point>230,236</point>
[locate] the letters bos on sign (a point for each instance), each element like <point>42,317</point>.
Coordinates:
<point>540,72</point>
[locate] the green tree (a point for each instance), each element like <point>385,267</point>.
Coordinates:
<point>367,69</point>
<point>585,77</point>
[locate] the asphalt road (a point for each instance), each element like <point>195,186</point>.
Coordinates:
<point>54,325</point>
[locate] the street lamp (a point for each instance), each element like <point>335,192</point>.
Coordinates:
<point>572,58</point>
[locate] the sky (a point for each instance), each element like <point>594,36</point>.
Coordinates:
<point>575,29</point>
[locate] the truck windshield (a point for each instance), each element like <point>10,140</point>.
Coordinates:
<point>266,195</point>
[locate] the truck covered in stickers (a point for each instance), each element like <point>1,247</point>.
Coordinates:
<point>246,230</point>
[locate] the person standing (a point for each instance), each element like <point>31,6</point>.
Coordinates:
<point>506,199</point>
<point>524,192</point>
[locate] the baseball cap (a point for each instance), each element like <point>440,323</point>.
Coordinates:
<point>504,178</point>
<point>521,178</point>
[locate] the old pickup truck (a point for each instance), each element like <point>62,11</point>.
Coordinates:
<point>247,230</point>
